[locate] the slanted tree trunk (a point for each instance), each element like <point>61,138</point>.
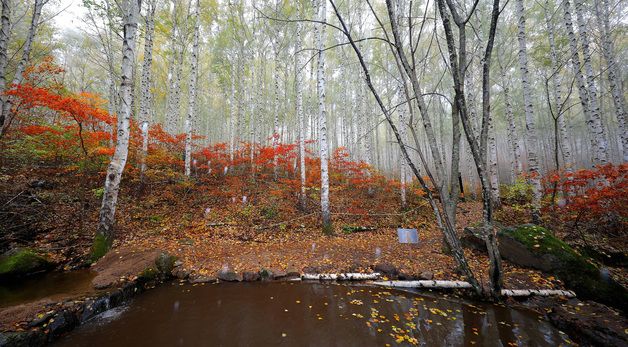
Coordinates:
<point>322,119</point>
<point>298,71</point>
<point>192,92</point>
<point>613,71</point>
<point>5,116</point>
<point>531,138</point>
<point>106,221</point>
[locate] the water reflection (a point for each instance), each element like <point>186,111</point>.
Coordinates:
<point>316,314</point>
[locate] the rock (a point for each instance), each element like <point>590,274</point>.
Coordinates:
<point>20,262</point>
<point>165,262</point>
<point>536,247</point>
<point>426,275</point>
<point>249,276</point>
<point>292,272</point>
<point>178,263</point>
<point>229,275</point>
<point>63,322</point>
<point>590,323</point>
<point>266,275</point>
<point>278,274</point>
<point>22,338</point>
<point>148,265</point>
<point>386,270</point>
<point>202,279</point>
<point>406,276</point>
<point>94,307</point>
<point>180,273</point>
<point>471,239</point>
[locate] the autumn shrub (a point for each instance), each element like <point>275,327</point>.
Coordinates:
<point>594,200</point>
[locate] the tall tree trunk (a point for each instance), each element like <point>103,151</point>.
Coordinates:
<point>590,109</point>
<point>531,138</point>
<point>106,221</point>
<point>298,71</point>
<point>192,92</point>
<point>558,91</point>
<point>322,119</point>
<point>601,143</point>
<point>613,71</point>
<point>276,109</point>
<point>5,116</point>
<point>145,83</point>
<point>5,35</point>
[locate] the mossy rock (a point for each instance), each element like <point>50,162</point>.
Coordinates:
<point>536,247</point>
<point>22,262</point>
<point>165,263</point>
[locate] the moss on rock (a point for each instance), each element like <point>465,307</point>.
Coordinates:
<point>577,271</point>
<point>22,262</point>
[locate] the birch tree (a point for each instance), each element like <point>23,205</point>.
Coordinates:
<point>106,221</point>
<point>589,106</point>
<point>192,91</point>
<point>298,83</point>
<point>147,64</point>
<point>322,117</point>
<point>5,35</point>
<point>531,138</point>
<point>613,71</point>
<point>5,116</point>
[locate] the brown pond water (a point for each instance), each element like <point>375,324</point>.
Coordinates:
<point>50,285</point>
<point>308,314</point>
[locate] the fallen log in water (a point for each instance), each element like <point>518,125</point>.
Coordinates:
<point>342,276</point>
<point>463,284</point>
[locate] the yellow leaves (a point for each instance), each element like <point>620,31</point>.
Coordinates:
<point>356,302</point>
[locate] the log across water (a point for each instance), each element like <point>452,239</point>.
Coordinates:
<point>308,314</point>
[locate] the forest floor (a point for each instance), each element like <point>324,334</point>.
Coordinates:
<point>208,226</point>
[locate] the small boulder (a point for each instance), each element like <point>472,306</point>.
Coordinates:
<point>386,269</point>
<point>278,274</point>
<point>201,279</point>
<point>22,262</point>
<point>471,239</point>
<point>249,276</point>
<point>229,275</point>
<point>426,275</point>
<point>292,272</point>
<point>265,274</point>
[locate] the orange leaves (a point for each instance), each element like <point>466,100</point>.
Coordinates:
<point>593,193</point>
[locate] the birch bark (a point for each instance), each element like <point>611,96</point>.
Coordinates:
<point>192,91</point>
<point>531,138</point>
<point>322,118</point>
<point>105,231</point>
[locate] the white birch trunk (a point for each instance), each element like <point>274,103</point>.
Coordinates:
<point>105,231</point>
<point>276,109</point>
<point>192,92</point>
<point>144,152</point>
<point>21,65</point>
<point>403,133</point>
<point>591,112</point>
<point>298,66</point>
<point>145,83</point>
<point>531,138</point>
<point>613,72</point>
<point>5,34</point>
<point>322,119</point>
<point>601,144</point>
